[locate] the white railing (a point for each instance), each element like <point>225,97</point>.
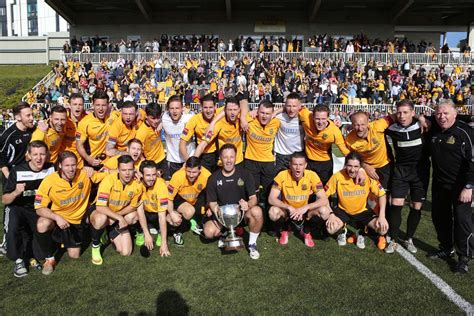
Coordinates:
<point>46,81</point>
<point>180,57</point>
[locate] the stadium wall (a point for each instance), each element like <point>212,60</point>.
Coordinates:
<point>32,49</point>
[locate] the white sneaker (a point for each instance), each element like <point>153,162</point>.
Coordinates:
<point>341,238</point>
<point>253,252</point>
<point>360,242</point>
<point>153,231</point>
<point>410,246</point>
<point>20,269</point>
<point>391,247</point>
<point>220,242</point>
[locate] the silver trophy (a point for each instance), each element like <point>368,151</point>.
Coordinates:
<point>230,217</point>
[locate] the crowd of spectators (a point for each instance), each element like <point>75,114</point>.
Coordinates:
<point>316,80</point>
<point>181,43</point>
<point>318,43</point>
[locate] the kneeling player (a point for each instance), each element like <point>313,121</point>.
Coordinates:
<point>352,201</point>
<point>152,210</point>
<point>231,185</point>
<point>186,191</point>
<point>289,198</point>
<point>116,204</point>
<point>61,203</point>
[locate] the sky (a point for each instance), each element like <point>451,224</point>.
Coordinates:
<point>455,37</point>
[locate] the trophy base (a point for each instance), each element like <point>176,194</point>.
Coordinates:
<point>233,244</point>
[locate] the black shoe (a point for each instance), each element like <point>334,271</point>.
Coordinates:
<point>441,254</point>
<point>462,267</point>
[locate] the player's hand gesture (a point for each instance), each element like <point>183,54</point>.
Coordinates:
<point>20,188</point>
<point>148,241</point>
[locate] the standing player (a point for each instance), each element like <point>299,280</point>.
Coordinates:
<point>352,201</point>
<point>18,197</point>
<point>231,185</point>
<point>122,130</point>
<point>259,158</point>
<point>149,134</point>
<point>411,172</point>
<point>152,209</point>
<point>368,139</point>
<point>92,131</point>
<point>226,131</point>
<point>13,147</point>
<point>290,196</point>
<point>116,204</point>
<point>290,135</point>
<point>321,133</point>
<point>187,194</point>
<point>76,114</point>
<point>61,203</point>
<point>197,126</point>
<point>52,131</point>
<point>174,121</point>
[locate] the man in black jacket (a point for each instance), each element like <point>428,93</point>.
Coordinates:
<point>452,153</point>
<point>13,144</point>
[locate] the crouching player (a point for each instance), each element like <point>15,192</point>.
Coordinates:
<point>152,209</point>
<point>352,202</point>
<point>290,196</point>
<point>187,195</point>
<point>61,203</point>
<point>116,206</point>
<point>231,185</point>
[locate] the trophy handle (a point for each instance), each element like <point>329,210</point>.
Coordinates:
<point>219,216</point>
<point>241,217</point>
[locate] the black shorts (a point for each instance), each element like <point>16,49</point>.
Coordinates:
<point>71,237</point>
<point>152,220</point>
<point>164,168</point>
<point>385,174</point>
<point>198,206</point>
<point>263,174</point>
<point>364,217</point>
<point>174,166</point>
<point>209,161</point>
<point>324,169</point>
<point>409,179</point>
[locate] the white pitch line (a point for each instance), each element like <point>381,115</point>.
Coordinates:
<point>438,282</point>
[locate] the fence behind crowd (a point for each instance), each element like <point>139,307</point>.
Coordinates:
<point>454,58</point>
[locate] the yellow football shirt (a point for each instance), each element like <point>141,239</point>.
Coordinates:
<point>120,134</point>
<point>373,149</point>
<point>67,199</point>
<point>318,144</point>
<point>152,145</point>
<point>228,133</point>
<point>352,198</point>
<point>53,140</point>
<point>112,193</point>
<point>94,131</point>
<point>260,140</point>
<point>297,193</point>
<point>179,185</point>
<point>155,199</point>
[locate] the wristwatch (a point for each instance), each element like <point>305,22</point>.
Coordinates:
<point>469,186</point>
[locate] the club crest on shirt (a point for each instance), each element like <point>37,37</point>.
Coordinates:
<point>199,186</point>
<point>304,187</point>
<point>325,136</point>
<point>450,140</point>
<point>80,185</point>
<point>240,182</point>
<point>271,131</point>
<point>130,194</point>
